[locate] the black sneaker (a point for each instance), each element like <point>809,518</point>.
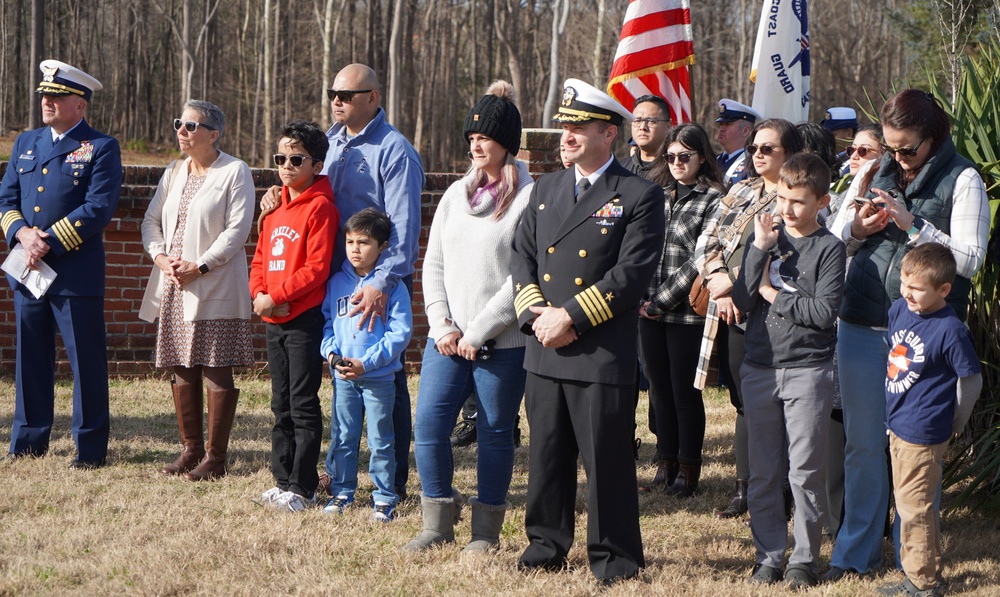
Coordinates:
<point>464,434</point>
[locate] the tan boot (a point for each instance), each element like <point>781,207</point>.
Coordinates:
<point>221,412</point>
<point>188,404</point>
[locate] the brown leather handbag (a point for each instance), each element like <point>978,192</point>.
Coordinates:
<point>698,296</point>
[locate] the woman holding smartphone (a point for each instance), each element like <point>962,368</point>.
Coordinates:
<point>921,190</point>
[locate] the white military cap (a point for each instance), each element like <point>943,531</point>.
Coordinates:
<point>582,102</point>
<point>59,78</point>
<point>731,111</point>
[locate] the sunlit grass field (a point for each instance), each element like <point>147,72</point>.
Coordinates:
<point>127,529</point>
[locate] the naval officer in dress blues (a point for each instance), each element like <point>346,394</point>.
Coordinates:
<point>735,122</point>
<point>60,190</point>
<point>584,252</point>
<point>843,124</point>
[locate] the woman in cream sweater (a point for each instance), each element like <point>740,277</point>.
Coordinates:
<point>473,343</point>
<point>194,230</point>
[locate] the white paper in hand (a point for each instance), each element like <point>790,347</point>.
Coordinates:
<point>37,281</point>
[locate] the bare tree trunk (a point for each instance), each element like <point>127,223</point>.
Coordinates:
<point>268,92</point>
<point>558,28</point>
<point>327,32</point>
<point>37,40</point>
<point>597,70</point>
<point>393,99</point>
<point>513,59</point>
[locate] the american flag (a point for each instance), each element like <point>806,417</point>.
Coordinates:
<point>654,52</point>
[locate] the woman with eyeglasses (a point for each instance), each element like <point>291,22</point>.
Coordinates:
<point>669,329</point>
<point>474,343</point>
<point>921,190</point>
<point>718,255</point>
<point>194,230</point>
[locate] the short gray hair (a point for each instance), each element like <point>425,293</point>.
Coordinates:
<point>210,114</point>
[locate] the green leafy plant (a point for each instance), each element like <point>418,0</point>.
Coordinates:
<point>975,114</point>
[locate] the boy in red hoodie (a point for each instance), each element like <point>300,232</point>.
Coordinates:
<point>288,284</point>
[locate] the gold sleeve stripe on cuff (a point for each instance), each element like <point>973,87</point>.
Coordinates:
<point>594,306</point>
<point>595,294</point>
<point>528,296</point>
<point>587,310</point>
<point>66,234</point>
<point>9,218</point>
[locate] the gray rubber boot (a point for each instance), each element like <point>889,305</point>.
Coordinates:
<point>486,524</point>
<point>440,517</point>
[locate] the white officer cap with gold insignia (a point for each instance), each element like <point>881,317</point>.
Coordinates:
<point>731,111</point>
<point>582,102</point>
<point>840,118</point>
<point>59,78</point>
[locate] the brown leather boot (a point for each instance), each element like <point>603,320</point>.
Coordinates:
<point>188,404</point>
<point>687,481</point>
<point>738,505</point>
<point>666,473</point>
<point>221,412</point>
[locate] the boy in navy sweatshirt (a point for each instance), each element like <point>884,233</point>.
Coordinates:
<point>364,364</point>
<point>932,382</point>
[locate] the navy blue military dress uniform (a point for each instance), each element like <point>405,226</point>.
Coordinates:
<point>734,165</point>
<point>594,256</point>
<point>68,189</point>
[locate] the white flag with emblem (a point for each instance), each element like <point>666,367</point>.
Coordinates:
<point>780,69</point>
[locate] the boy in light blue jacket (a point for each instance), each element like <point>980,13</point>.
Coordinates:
<point>363,360</point>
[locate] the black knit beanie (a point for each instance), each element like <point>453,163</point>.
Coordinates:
<point>496,116</point>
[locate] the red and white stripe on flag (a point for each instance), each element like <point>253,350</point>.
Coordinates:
<point>654,52</point>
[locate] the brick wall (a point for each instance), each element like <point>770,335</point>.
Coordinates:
<point>131,341</point>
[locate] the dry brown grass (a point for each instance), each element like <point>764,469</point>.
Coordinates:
<point>128,529</point>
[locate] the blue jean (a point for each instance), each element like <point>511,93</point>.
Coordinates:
<point>862,353</point>
<point>445,383</point>
<point>376,397</point>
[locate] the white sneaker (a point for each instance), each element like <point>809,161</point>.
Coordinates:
<point>294,502</point>
<point>270,497</point>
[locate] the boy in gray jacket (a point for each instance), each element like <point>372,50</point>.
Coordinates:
<point>790,285</point>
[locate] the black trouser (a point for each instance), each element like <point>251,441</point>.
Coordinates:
<point>593,421</point>
<point>296,375</point>
<point>736,351</point>
<point>670,359</point>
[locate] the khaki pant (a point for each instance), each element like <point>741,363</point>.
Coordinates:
<point>916,477</point>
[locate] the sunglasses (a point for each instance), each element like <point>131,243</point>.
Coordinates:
<point>345,95</point>
<point>906,152</point>
<point>294,160</point>
<point>861,151</point>
<point>764,149</point>
<point>683,158</point>
<point>190,125</point>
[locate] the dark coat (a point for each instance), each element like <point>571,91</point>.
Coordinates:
<point>594,258</point>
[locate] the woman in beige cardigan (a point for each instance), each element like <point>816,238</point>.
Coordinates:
<point>194,230</point>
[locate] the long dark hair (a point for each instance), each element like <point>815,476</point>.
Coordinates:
<point>819,141</point>
<point>692,136</point>
<point>911,109</point>
<point>791,140</point>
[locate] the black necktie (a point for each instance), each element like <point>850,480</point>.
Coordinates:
<point>581,187</point>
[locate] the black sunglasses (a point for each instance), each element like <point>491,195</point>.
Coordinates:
<point>683,158</point>
<point>906,152</point>
<point>764,149</point>
<point>345,95</point>
<point>861,150</point>
<point>190,125</point>
<point>295,160</point>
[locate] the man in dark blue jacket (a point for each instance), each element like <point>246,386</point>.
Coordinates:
<point>60,190</point>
